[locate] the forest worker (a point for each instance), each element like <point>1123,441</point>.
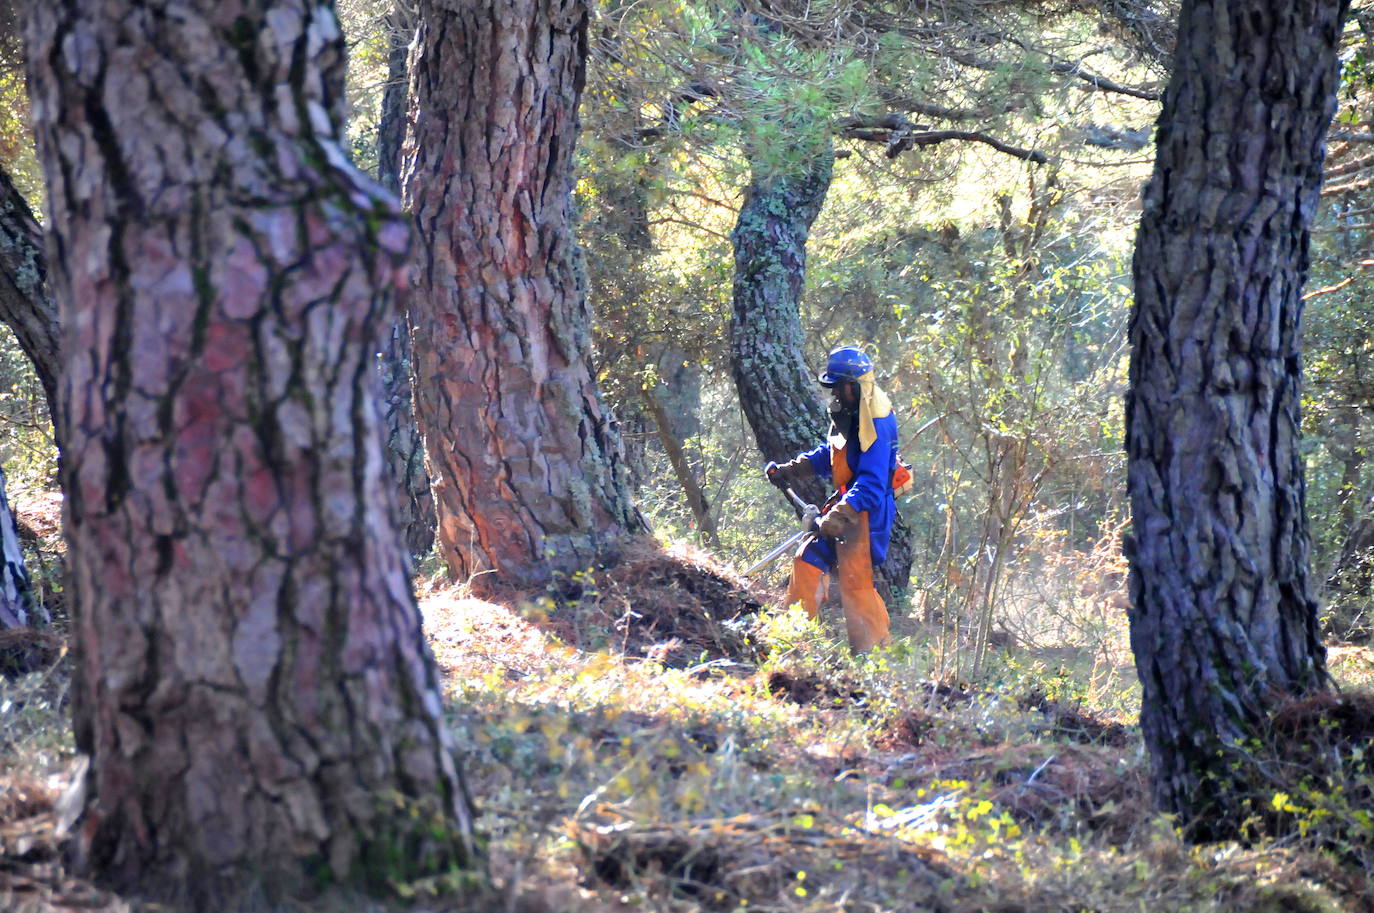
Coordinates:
<point>859,458</point>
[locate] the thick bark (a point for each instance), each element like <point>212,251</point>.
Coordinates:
<point>391,124</point>
<point>777,391</point>
<point>404,447</point>
<point>893,576</point>
<point>253,686</point>
<point>24,303</point>
<point>528,474</point>
<point>1223,618</point>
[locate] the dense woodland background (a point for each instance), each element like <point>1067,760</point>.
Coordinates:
<point>955,186</point>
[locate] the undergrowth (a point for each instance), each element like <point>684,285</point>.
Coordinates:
<point>817,781</point>
<point>805,781</point>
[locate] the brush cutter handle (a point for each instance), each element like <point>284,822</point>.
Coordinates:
<point>810,512</point>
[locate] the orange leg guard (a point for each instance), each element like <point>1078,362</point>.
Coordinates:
<point>865,615</point>
<point>807,586</point>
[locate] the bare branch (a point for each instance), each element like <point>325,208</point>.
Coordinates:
<point>1329,289</point>
<point>695,226</point>
<point>1102,83</point>
<point>1347,187</point>
<point>1122,138</point>
<point>1347,168</point>
<point>901,135</point>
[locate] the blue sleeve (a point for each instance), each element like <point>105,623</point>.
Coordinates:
<point>872,483</point>
<point>820,460</point>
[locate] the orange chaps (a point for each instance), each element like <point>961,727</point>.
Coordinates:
<point>865,616</point>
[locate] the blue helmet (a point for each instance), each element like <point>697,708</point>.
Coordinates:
<point>844,363</point>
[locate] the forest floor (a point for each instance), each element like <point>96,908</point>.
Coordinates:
<point>632,745</point>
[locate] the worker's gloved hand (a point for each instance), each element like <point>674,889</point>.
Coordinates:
<point>838,522</point>
<point>789,473</point>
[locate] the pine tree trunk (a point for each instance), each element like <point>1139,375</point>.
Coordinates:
<point>24,303</point>
<point>253,686</point>
<point>28,311</point>
<point>529,478</point>
<point>777,390</point>
<point>893,576</point>
<point>404,448</point>
<point>391,124</point>
<point>1223,618</point>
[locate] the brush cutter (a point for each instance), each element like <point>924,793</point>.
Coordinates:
<point>810,513</point>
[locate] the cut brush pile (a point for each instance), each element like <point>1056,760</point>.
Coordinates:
<point>677,606</point>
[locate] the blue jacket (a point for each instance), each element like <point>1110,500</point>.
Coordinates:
<point>870,490</point>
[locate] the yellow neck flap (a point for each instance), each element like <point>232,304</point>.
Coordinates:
<point>873,404</point>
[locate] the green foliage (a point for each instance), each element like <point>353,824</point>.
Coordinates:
<point>27,449</point>
<point>35,725</point>
<point>369,43</point>
<point>17,156</point>
<point>413,851</point>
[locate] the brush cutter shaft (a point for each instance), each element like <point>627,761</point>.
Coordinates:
<point>810,513</point>
<point>776,553</point>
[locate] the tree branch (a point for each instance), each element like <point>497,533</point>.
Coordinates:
<point>1347,168</point>
<point>671,122</point>
<point>1329,289</point>
<point>901,135</point>
<point>1121,138</point>
<point>1347,187</point>
<point>696,226</point>
<point>1101,83</point>
<point>1063,68</point>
